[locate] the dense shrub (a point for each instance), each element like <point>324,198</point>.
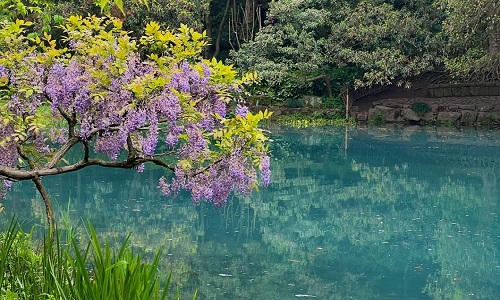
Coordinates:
<point>421,108</point>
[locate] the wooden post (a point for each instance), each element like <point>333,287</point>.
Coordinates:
<point>347,105</point>
<point>346,139</point>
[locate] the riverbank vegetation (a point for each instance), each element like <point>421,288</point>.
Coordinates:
<point>370,43</point>
<point>314,47</point>
<point>70,267</point>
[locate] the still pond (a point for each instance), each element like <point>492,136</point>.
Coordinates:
<point>357,213</point>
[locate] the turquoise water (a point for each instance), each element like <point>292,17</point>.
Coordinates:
<point>367,213</point>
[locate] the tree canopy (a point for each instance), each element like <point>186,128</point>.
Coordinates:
<point>123,102</point>
<point>473,31</point>
<point>372,42</point>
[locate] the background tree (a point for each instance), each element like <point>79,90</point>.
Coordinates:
<point>361,43</point>
<point>390,41</point>
<point>119,97</point>
<point>290,48</point>
<point>473,32</point>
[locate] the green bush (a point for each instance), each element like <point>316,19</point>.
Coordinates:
<point>378,119</point>
<point>21,273</point>
<point>421,108</point>
<point>294,103</point>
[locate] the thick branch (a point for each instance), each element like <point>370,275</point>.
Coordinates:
<point>86,150</point>
<point>16,174</point>
<point>70,119</point>
<point>327,82</point>
<point>62,151</point>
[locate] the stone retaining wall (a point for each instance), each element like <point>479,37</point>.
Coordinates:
<point>464,89</point>
<point>464,110</point>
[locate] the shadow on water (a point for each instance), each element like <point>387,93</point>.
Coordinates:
<point>366,213</point>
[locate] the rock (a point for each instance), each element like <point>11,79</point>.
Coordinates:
<point>448,116</point>
<point>275,110</point>
<point>411,130</point>
<point>410,115</point>
<point>468,117</point>
<point>484,107</point>
<point>388,114</point>
<point>362,116</point>
<point>441,108</point>
<point>430,116</point>
<point>488,117</point>
<point>467,107</point>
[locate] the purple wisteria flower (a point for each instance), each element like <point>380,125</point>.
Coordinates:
<point>241,110</point>
<point>265,173</point>
<point>125,106</point>
<point>4,72</point>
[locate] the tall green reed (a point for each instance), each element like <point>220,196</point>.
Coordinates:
<point>65,270</point>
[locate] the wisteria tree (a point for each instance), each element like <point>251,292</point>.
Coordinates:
<point>122,103</point>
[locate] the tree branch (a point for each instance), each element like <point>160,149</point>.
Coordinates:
<point>48,205</point>
<point>61,152</point>
<point>164,153</point>
<point>71,120</point>
<point>15,174</point>
<point>130,146</point>
<point>87,150</point>
<point>24,156</point>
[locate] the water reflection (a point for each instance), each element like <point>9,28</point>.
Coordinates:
<point>408,213</point>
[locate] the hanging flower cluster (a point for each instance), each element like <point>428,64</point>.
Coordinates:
<point>152,100</point>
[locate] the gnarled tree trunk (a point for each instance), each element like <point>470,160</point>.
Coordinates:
<point>48,205</point>
<point>494,44</point>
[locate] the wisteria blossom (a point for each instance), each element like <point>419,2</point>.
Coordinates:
<point>136,102</point>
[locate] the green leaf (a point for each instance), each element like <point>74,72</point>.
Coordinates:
<point>119,4</point>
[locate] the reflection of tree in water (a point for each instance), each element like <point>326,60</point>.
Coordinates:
<point>374,224</point>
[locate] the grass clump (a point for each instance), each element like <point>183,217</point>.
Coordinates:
<point>58,270</point>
